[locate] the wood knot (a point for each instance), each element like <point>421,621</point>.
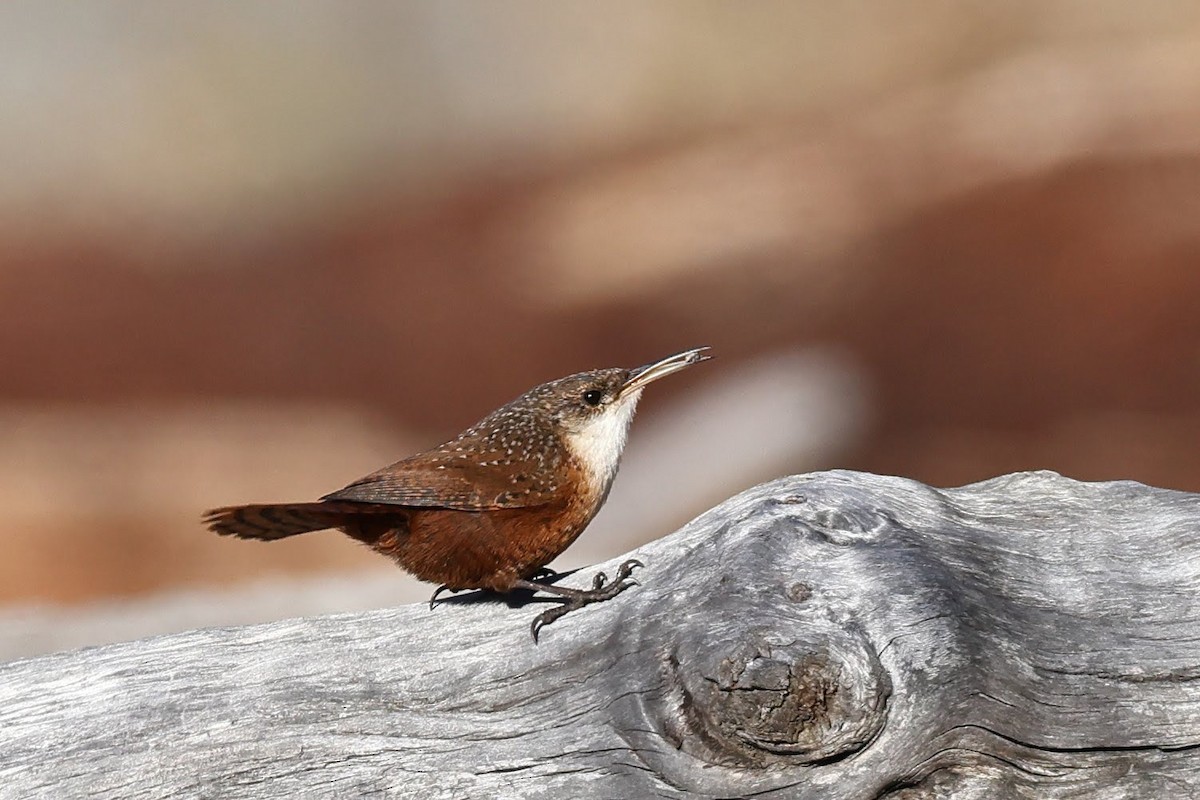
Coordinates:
<point>851,525</point>
<point>798,592</point>
<point>771,700</point>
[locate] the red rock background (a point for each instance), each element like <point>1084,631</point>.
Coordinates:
<point>1003,238</point>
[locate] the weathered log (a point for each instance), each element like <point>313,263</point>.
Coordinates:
<point>836,635</point>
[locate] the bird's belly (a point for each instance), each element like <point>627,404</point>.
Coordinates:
<point>485,549</point>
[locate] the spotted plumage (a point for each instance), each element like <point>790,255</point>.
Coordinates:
<point>492,506</point>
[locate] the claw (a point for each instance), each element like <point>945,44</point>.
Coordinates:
<point>549,615</point>
<point>439,590</point>
<point>627,568</point>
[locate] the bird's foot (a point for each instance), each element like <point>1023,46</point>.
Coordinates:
<point>573,599</point>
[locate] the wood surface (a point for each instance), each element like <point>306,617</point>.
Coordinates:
<point>834,635</point>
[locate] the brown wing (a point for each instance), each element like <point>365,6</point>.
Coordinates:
<point>459,485</point>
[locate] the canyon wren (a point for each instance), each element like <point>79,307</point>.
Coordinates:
<point>492,506</point>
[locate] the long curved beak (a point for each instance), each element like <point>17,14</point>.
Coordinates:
<point>641,376</point>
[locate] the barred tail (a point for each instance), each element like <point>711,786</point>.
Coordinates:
<point>268,522</point>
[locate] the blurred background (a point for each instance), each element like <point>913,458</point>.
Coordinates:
<point>251,251</point>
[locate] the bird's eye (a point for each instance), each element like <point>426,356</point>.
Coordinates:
<point>592,397</point>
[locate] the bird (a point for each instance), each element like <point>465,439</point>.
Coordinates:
<point>490,508</point>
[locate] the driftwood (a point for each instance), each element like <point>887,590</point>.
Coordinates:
<point>836,635</point>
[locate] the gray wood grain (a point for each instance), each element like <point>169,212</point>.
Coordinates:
<point>836,635</point>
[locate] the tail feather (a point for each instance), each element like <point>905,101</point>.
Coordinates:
<point>276,521</point>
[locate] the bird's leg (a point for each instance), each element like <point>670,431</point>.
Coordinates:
<point>573,599</point>
<point>543,573</point>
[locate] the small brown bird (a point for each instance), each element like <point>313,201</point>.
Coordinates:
<point>491,507</point>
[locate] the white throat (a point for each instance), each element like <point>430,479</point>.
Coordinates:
<point>599,443</point>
